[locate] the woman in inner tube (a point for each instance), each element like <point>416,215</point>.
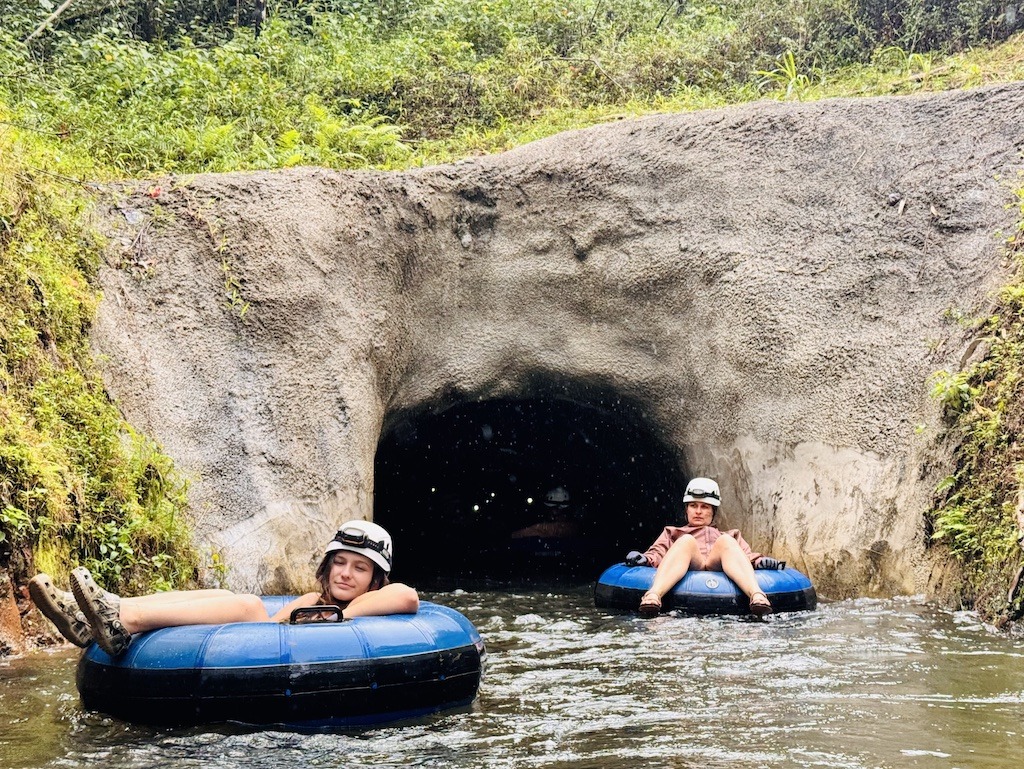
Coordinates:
<point>700,545</point>
<point>353,576</point>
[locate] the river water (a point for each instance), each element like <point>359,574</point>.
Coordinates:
<point>863,683</point>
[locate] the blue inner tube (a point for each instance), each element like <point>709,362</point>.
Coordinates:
<point>368,670</point>
<point>703,592</point>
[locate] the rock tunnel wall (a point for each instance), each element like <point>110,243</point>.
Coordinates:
<point>769,286</point>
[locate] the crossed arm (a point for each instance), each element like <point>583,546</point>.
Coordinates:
<point>395,598</point>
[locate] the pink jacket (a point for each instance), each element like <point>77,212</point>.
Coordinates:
<point>705,536</point>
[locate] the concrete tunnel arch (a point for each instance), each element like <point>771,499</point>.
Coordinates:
<point>512,491</point>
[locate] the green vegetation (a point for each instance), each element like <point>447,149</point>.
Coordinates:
<point>77,484</point>
<point>130,88</point>
<point>977,518</point>
<point>356,83</point>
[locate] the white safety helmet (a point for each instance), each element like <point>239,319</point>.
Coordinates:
<point>365,538</point>
<point>703,490</point>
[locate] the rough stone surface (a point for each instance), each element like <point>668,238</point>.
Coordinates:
<point>771,284</point>
<point>12,636</point>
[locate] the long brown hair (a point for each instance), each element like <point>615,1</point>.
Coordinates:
<point>323,573</point>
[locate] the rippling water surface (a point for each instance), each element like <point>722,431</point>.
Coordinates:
<point>854,684</point>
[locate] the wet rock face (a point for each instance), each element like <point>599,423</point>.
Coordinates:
<point>767,288</point>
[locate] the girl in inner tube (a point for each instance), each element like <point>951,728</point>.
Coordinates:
<point>699,545</point>
<point>352,576</point>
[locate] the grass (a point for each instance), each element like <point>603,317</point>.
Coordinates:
<point>894,73</point>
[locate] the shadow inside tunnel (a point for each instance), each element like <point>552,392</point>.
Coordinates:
<point>532,491</point>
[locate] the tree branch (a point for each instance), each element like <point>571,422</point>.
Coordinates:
<point>50,19</point>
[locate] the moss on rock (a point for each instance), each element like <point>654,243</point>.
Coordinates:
<point>77,484</point>
<point>978,516</point>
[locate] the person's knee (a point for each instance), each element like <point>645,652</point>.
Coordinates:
<point>251,607</point>
<point>726,542</point>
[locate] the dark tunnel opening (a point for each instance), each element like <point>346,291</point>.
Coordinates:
<point>521,491</point>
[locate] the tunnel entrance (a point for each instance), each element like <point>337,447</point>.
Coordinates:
<point>519,491</point>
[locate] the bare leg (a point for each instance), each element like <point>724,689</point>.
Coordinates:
<point>677,561</point>
<point>168,597</point>
<point>142,614</point>
<point>727,556</point>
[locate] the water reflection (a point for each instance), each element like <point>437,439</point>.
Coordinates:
<point>859,684</point>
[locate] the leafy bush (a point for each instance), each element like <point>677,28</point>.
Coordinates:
<point>351,83</point>
<point>835,33</point>
<point>147,20</point>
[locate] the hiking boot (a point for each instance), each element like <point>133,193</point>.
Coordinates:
<point>102,611</point>
<point>60,607</point>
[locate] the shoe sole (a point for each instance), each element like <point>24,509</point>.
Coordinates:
<point>44,596</point>
<point>648,610</point>
<point>108,633</point>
